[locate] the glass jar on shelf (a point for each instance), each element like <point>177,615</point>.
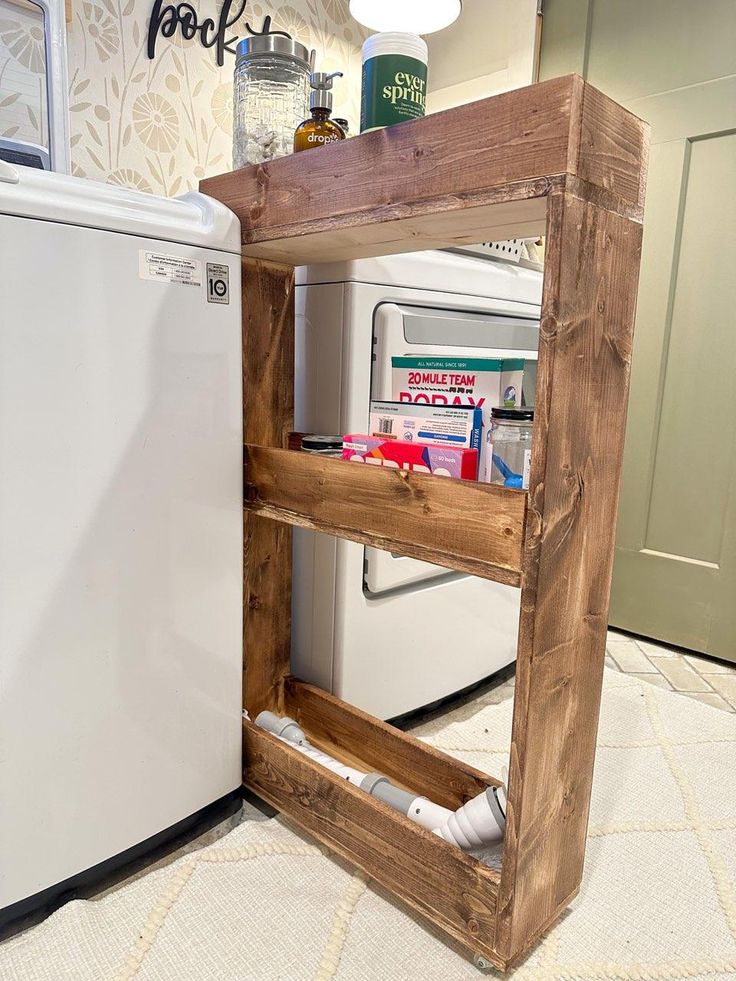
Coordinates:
<point>270,97</point>
<point>322,445</point>
<point>511,444</point>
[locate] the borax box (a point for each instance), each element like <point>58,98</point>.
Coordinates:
<point>482,382</point>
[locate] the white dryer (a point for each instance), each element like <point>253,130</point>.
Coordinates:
<point>387,633</point>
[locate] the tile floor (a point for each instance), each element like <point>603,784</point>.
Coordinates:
<point>697,676</point>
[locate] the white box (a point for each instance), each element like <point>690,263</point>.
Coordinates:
<point>459,426</point>
<point>479,382</point>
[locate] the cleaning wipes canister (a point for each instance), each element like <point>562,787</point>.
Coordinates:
<point>394,79</point>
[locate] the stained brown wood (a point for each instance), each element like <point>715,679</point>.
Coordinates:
<point>498,214</point>
<point>268,417</point>
<point>610,147</point>
<point>559,151</point>
<point>450,888</point>
<point>460,524</point>
<point>382,747</point>
<point>591,272</point>
<point>465,175</point>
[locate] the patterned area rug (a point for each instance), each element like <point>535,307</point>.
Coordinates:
<point>263,903</point>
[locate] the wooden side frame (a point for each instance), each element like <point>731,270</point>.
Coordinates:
<point>592,207</point>
<point>268,418</point>
<point>588,305</point>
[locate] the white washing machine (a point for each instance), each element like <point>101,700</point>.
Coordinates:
<point>121,503</point>
<point>387,633</point>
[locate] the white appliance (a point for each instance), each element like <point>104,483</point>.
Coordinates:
<point>387,633</point>
<point>120,520</point>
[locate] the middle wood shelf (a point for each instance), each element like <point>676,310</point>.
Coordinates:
<point>459,524</point>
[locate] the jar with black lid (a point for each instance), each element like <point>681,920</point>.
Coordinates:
<point>511,444</point>
<point>322,445</point>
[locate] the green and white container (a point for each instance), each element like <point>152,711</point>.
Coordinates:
<point>394,79</point>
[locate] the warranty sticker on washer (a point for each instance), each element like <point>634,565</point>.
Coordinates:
<point>169,268</point>
<point>218,283</point>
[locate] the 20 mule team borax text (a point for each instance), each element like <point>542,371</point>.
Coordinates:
<point>435,378</point>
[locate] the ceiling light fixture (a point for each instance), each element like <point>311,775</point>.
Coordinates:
<point>410,16</point>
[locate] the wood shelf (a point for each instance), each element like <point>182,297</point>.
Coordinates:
<point>406,187</point>
<point>455,890</point>
<point>559,158</point>
<point>353,734</point>
<point>459,524</point>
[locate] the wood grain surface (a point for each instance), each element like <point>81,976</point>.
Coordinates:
<point>517,211</point>
<point>382,747</point>
<point>564,151</point>
<point>460,524</point>
<point>469,174</point>
<point>591,272</point>
<point>268,417</point>
<point>453,890</point>
<point>612,147</point>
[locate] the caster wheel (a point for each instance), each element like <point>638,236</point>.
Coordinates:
<point>484,966</point>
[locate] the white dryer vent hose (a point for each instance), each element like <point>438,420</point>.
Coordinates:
<point>479,822</point>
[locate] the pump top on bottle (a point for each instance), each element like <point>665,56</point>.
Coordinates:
<point>319,129</point>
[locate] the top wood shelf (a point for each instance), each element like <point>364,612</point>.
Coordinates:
<point>469,174</point>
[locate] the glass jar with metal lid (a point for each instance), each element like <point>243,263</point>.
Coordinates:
<point>511,444</point>
<point>271,97</point>
<point>322,445</point>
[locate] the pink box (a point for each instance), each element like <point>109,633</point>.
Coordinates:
<point>444,461</point>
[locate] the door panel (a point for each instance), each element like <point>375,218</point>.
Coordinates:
<point>675,571</point>
<point>694,452</point>
<point>639,48</point>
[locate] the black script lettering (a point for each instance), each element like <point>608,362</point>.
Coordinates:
<point>167,17</point>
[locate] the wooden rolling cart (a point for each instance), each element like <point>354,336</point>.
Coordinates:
<point>559,159</point>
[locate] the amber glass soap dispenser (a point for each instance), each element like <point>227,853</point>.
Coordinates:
<point>320,129</point>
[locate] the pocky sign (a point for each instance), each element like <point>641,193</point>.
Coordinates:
<point>168,18</point>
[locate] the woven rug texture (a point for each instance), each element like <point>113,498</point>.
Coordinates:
<point>658,901</point>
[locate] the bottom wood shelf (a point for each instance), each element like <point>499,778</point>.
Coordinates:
<point>355,735</point>
<point>454,890</point>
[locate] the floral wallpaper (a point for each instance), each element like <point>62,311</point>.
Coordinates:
<point>158,125</point>
<point>22,73</point>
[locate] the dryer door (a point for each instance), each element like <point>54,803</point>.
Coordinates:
<point>401,330</point>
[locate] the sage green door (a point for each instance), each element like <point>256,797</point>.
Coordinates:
<point>673,62</point>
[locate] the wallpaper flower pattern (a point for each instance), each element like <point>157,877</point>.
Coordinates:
<point>22,55</point>
<point>159,126</point>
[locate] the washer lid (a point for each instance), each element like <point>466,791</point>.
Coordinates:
<point>435,270</point>
<point>192,219</point>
